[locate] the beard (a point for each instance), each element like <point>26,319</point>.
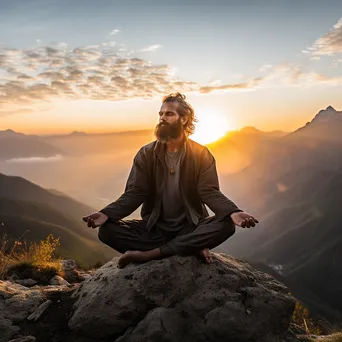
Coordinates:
<point>165,132</point>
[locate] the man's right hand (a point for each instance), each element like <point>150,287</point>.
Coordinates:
<point>95,219</point>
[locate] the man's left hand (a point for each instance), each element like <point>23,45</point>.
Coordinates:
<point>243,219</point>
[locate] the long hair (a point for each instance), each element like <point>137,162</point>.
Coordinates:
<point>184,110</point>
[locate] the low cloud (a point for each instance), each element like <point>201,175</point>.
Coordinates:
<point>151,48</point>
<point>330,43</point>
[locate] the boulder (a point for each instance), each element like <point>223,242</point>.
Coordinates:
<point>58,280</point>
<point>182,299</point>
<point>68,265</point>
<point>70,272</point>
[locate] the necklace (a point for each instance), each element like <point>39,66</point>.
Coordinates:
<point>172,161</point>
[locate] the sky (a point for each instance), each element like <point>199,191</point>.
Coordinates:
<point>100,66</point>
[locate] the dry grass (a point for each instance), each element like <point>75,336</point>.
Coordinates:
<point>301,317</point>
<point>30,258</point>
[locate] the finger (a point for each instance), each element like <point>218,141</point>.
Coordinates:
<point>94,225</point>
<point>85,218</point>
<point>252,223</point>
<point>248,223</point>
<point>243,224</point>
<point>255,219</point>
<point>89,222</point>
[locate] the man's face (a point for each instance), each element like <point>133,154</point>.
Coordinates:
<point>170,122</point>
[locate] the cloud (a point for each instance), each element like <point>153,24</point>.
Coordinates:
<point>151,48</point>
<point>252,84</point>
<point>37,76</point>
<point>265,67</point>
<point>291,75</point>
<point>114,32</point>
<point>99,72</point>
<point>330,43</point>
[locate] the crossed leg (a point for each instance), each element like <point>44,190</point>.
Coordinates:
<point>138,245</point>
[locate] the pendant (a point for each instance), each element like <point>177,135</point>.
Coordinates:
<point>172,171</point>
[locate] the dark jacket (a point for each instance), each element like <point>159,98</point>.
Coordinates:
<point>199,185</point>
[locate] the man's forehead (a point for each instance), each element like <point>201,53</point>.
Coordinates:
<point>169,106</point>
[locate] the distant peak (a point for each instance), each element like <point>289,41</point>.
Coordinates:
<point>78,133</point>
<point>331,108</point>
<point>249,129</point>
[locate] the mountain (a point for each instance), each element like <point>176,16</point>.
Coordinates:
<point>18,145</point>
<point>33,212</point>
<point>9,133</point>
<point>18,188</point>
<point>294,187</point>
<point>237,149</point>
<point>326,125</point>
<point>80,143</point>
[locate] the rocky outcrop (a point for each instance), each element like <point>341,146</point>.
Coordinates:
<point>174,299</point>
<point>182,299</point>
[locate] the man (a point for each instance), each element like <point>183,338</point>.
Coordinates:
<point>173,178</point>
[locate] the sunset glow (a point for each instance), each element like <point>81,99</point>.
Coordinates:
<point>211,126</point>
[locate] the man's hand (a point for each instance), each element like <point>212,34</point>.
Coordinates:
<point>243,219</point>
<point>95,219</point>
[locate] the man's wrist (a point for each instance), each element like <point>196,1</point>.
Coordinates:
<point>104,211</point>
<point>235,211</point>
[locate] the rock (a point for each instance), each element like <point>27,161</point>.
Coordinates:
<point>40,310</point>
<point>27,282</point>
<point>16,303</point>
<point>70,272</point>
<point>68,265</point>
<point>182,299</point>
<point>24,339</point>
<point>58,280</point>
<point>7,329</point>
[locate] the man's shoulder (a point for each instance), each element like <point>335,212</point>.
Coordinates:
<point>147,149</point>
<point>196,147</point>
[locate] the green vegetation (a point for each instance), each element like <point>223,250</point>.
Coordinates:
<point>34,260</point>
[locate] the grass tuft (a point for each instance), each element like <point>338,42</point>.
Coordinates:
<point>30,260</point>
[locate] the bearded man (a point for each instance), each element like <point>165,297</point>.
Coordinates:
<point>173,178</point>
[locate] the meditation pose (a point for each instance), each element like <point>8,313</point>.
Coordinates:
<point>173,178</point>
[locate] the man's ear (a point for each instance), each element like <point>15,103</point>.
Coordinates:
<point>184,120</point>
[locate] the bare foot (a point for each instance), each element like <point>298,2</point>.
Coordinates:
<point>138,257</point>
<point>206,256</point>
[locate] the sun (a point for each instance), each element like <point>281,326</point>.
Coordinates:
<point>211,126</point>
